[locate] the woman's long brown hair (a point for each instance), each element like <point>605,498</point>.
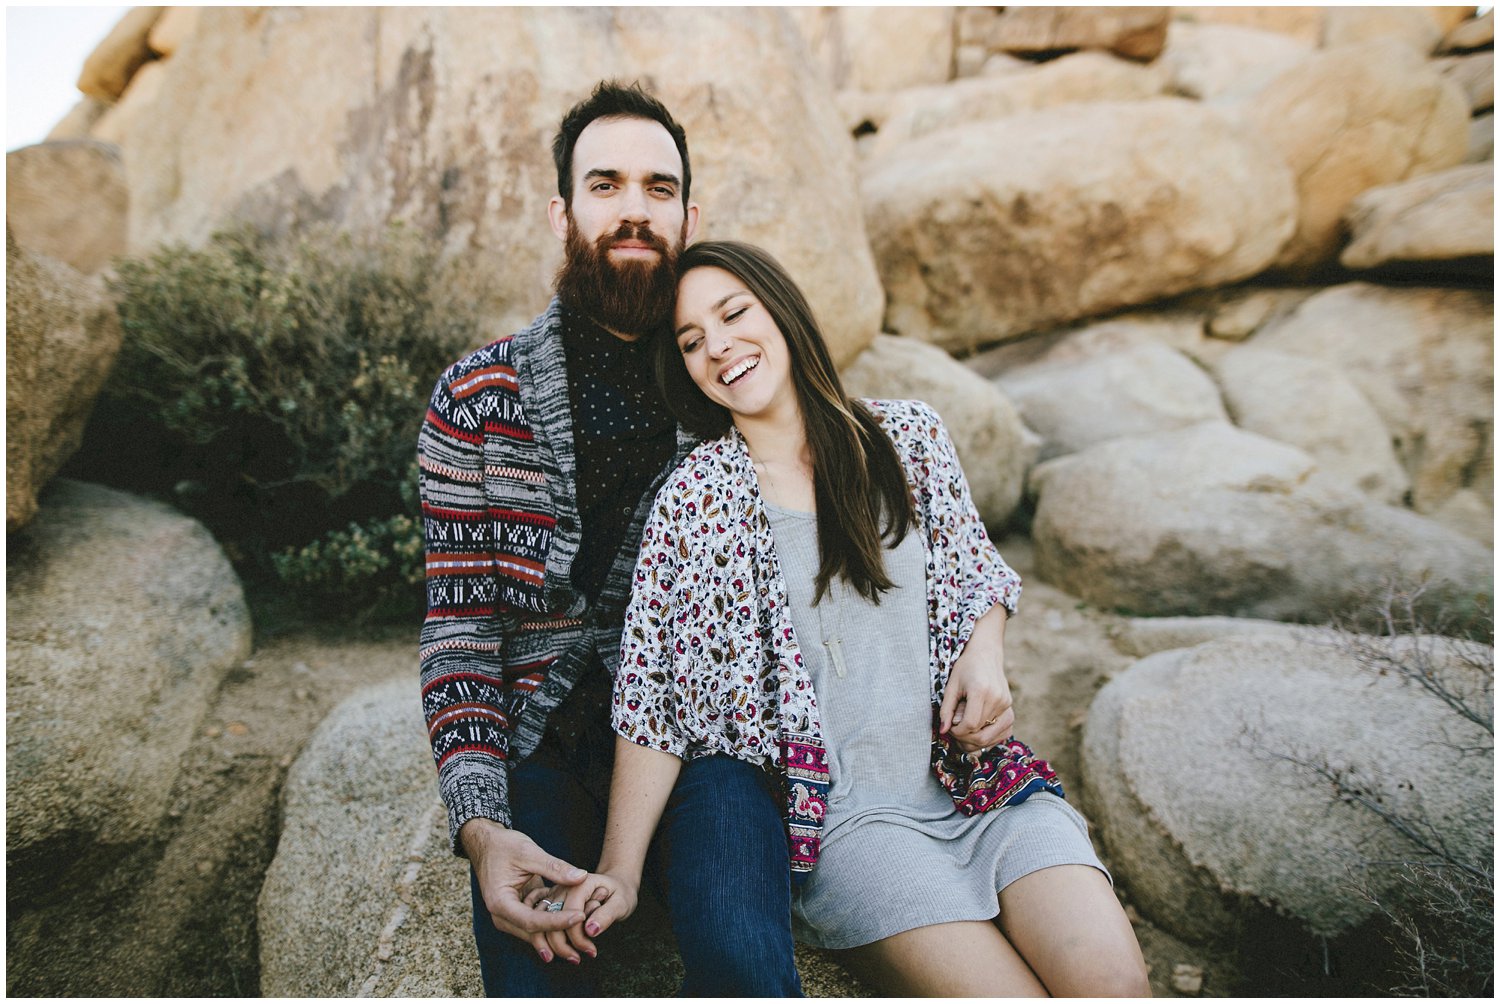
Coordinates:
<point>862,497</point>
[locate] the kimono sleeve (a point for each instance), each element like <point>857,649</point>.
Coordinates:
<point>981,576</point>
<point>645,693</point>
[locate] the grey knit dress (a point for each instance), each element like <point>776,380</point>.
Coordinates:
<point>896,853</point>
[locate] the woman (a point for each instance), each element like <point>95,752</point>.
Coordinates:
<point>799,572</point>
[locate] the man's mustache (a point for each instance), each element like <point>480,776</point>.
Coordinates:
<point>627,231</point>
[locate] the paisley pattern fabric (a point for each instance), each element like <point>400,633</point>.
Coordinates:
<point>710,663</point>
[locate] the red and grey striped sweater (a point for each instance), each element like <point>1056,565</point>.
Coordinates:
<point>506,635</point>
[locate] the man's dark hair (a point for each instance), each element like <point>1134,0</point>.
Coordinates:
<point>611,99</point>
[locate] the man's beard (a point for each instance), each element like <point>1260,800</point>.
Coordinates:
<point>631,297</point>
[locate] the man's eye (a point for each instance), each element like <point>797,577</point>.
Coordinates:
<point>603,186</point>
<point>664,191</point>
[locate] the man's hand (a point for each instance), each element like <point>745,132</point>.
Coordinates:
<point>976,707</point>
<point>509,865</point>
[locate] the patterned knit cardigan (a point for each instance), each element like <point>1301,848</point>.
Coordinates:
<point>711,663</point>
<point>506,635</point>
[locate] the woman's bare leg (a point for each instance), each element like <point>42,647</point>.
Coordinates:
<point>1068,926</point>
<point>959,959</point>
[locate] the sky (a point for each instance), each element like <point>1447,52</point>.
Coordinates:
<point>44,49</point>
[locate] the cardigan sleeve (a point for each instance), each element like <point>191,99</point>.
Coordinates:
<point>645,696</point>
<point>462,641</point>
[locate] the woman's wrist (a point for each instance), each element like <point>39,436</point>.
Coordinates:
<point>621,871</point>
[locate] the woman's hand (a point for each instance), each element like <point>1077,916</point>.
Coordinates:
<point>603,899</point>
<point>976,709</point>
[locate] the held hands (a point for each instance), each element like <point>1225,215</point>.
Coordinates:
<point>512,870</point>
<point>976,708</point>
<point>599,900</point>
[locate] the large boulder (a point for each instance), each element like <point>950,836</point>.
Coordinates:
<point>1311,404</point>
<point>1179,330</point>
<point>1304,24</point>
<point>1471,34</point>
<point>108,69</point>
<point>879,48</point>
<point>175,26</point>
<point>1143,636</point>
<point>1475,76</point>
<point>1425,359</point>
<point>1215,520</point>
<point>996,449</point>
<point>1207,61</point>
<point>1132,32</point>
<point>1074,79</point>
<point>68,201</point>
<point>1481,140</point>
<point>1213,774</point>
<point>1438,217</point>
<point>364,896</point>
<point>413,114</point>
<point>122,618</point>
<point>61,339</point>
<point>1348,119</point>
<point>79,121</point>
<point>123,119</point>
<point>976,243</point>
<point>1416,27</point>
<point>1130,392</point>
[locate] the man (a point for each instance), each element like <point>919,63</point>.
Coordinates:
<point>539,457</point>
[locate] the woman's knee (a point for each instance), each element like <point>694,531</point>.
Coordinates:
<point>742,957</point>
<point>1103,974</point>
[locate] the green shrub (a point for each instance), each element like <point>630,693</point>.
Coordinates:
<point>273,387</point>
<point>372,569</point>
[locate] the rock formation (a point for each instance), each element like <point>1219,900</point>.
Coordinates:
<point>1212,519</point>
<point>1211,766</point>
<point>994,446</point>
<point>412,116</point>
<point>61,338</point>
<point>1445,217</point>
<point>1382,114</point>
<point>976,244</point>
<point>68,200</point>
<point>122,618</point>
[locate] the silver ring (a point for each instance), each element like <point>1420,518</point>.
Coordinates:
<point>552,906</point>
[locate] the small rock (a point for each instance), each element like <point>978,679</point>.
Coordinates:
<point>1132,914</point>
<point>1077,718</point>
<point>1239,319</point>
<point>212,732</point>
<point>237,729</point>
<point>204,867</point>
<point>301,667</point>
<point>1187,979</point>
<point>302,694</point>
<point>285,762</point>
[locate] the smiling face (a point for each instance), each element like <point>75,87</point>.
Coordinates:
<point>732,348</point>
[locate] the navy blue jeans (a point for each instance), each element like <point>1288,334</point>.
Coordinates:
<point>719,858</point>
